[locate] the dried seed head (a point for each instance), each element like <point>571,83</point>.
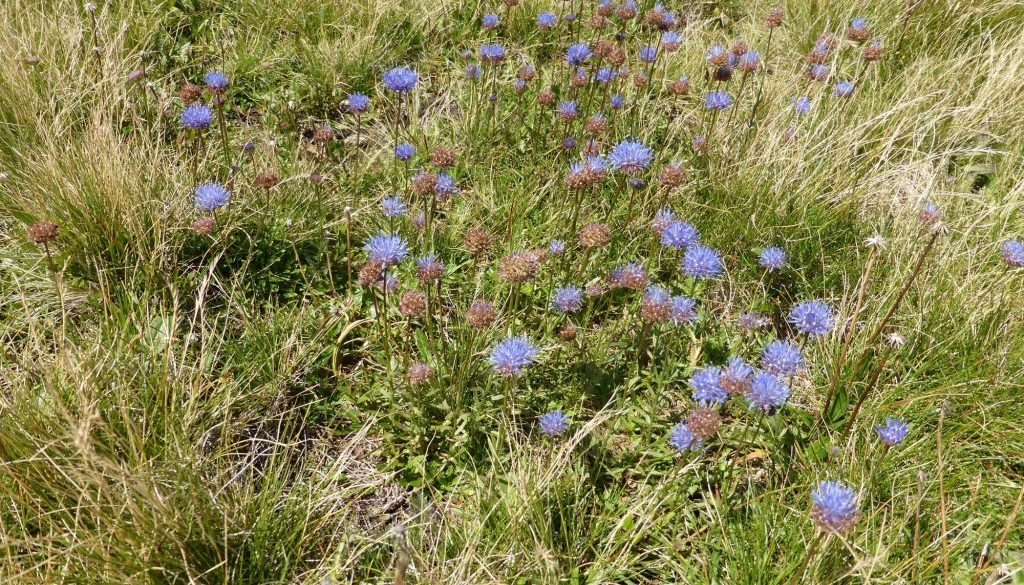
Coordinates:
<point>477,241</point>
<point>775,18</point>
<point>680,87</point>
<point>443,158</point>
<point>190,93</point>
<point>873,52</point>
<point>370,273</point>
<point>419,373</point>
<point>204,225</point>
<point>595,235</point>
<point>412,304</point>
<point>640,80</point>
<point>519,268</point>
<point>423,183</point>
<point>480,314</point>
<point>324,134</point>
<point>593,290</point>
<point>546,98</point>
<point>598,22</point>
<point>568,332</point>
<point>672,176</point>
<point>267,180</point>
<point>704,422</point>
<point>42,232</point>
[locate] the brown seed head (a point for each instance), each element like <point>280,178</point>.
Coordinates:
<point>423,183</point>
<point>412,304</point>
<point>546,98</point>
<point>568,332</point>
<point>419,373</point>
<point>680,87</point>
<point>595,235</point>
<point>480,314</point>
<point>672,176</point>
<point>370,273</point>
<point>704,423</point>
<point>775,18</point>
<point>204,225</point>
<point>267,180</point>
<point>190,93</point>
<point>42,232</point>
<point>443,158</point>
<point>519,267</point>
<point>477,241</point>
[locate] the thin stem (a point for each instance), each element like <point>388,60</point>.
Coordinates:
<point>848,333</point>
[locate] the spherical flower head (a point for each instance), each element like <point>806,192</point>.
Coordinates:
<point>818,72</point>
<point>701,262</point>
<point>781,358</point>
<point>843,89</point>
<point>772,259</point>
<point>358,103</point>
<point>570,17</point>
<point>419,373</point>
<point>656,306</point>
<point>812,318</point>
<point>749,321</point>
<point>445,188</point>
<point>767,392</point>
<point>717,101</point>
<point>698,142</point>
<point>554,423</point>
<point>736,376</point>
<point>605,75</point>
<point>567,299</point>
<point>556,247</point>
<point>893,432</point>
<point>404,152</point>
<point>617,102</point>
<point>546,21</point>
<point>489,21</point>
<point>683,440</point>
<point>400,80</point>
<point>682,310</point>
<point>802,105</point>
<point>386,249</point>
<point>577,54</point>
<point>662,219</point>
<point>858,31</point>
<point>630,157</point>
<point>211,196</point>
<point>567,111</point>
<point>671,40</point>
<point>196,117</point>
<point>930,213</point>
<point>835,507</point>
<point>429,268</point>
<point>519,86</point>
<point>648,54</point>
<point>749,62</point>
<point>216,82</point>
<point>679,235</point>
<point>394,207</point>
<point>568,143</point>
<point>716,56</point>
<point>1013,253</point>
<point>492,53</point>
<point>510,357</point>
<point>472,71</point>
<point>707,387</point>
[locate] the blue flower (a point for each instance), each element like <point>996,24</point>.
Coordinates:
<point>930,212</point>
<point>546,21</point>
<point>749,61</point>
<point>812,318</point>
<point>196,117</point>
<point>358,103</point>
<point>701,262</point>
<point>892,432</point>
<point>679,235</point>
<point>510,357</point>
<point>554,423</point>
<point>1013,253</point>
<point>567,299</point>
<point>556,247</point>
<point>216,81</point>
<point>394,207</point>
<point>835,507</point>
<point>386,249</point>
<point>519,85</point>
<point>716,56</point>
<point>648,54</point>
<point>859,24</point>
<point>818,72</point>
<point>445,187</point>
<point>735,378</point>
<point>781,358</point>
<point>211,196</point>
<point>717,101</point>
<point>843,89</point>
<point>707,387</point>
<point>802,105</point>
<point>472,71</point>
<point>662,219</point>
<point>490,21</point>
<point>682,311</point>
<point>492,53</point>
<point>630,156</point>
<point>671,40</point>
<point>568,143</point>
<point>617,102</point>
<point>684,440</point>
<point>605,75</point>
<point>404,152</point>
<point>567,110</point>
<point>400,80</point>
<point>577,54</point>
<point>429,268</point>
<point>773,259</point>
<point>767,392</point>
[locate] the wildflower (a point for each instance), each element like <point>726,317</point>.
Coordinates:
<point>510,357</point>
<point>893,432</point>
<point>556,247</point>
<point>596,125</point>
<point>577,54</point>
<point>419,221</point>
<point>717,101</point>
<point>419,373</point>
<point>404,152</point>
<point>216,82</point>
<point>423,183</point>
<point>443,158</point>
<point>203,226</point>
<point>554,423</point>
<point>196,117</point>
<point>370,273</point>
<point>802,105</point>
<point>704,423</point>
<point>698,142</point>
<point>386,249</point>
<point>1013,253</point>
<point>775,18</point>
<point>680,86</point>
<point>873,52</point>
<point>595,235</point>
<point>858,31</point>
<point>617,102</point>
<point>930,213</point>
<point>394,207</point>
<point>43,232</point>
<point>630,156</point>
<point>492,53</point>
<point>593,290</point>
<point>568,332</point>
<point>627,10</point>
<point>716,56</point>
<point>400,80</point>
<point>567,299</point>
<point>843,89</point>
<point>767,392</point>
<point>472,71</point>
<point>490,21</point>
<point>679,235</point>
<point>656,306</point>
<point>648,54</point>
<point>707,387</point>
<point>546,98</point>
<point>605,8</point>
<point>568,143</point>
<point>682,311</point>
<point>630,276</point>
<point>190,93</point>
<point>412,304</point>
<point>749,321</point>
<point>480,314</point>
<point>812,318</point>
<point>567,111</point>
<point>773,259</point>
<point>323,134</point>
<point>818,72</point>
<point>211,196</point>
<point>267,180</point>
<point>701,262</point>
<point>671,41</point>
<point>477,241</point>
<point>519,267</point>
<point>662,219</point>
<point>546,21</point>
<point>429,268</point>
<point>749,62</point>
<point>605,75</point>
<point>358,103</point>
<point>684,440</point>
<point>735,378</point>
<point>445,187</point>
<point>781,358</point>
<point>723,73</point>
<point>387,283</point>
<point>835,507</point>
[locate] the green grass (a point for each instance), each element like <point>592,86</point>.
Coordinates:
<point>230,408</point>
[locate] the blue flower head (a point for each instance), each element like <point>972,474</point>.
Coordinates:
<point>717,101</point>
<point>567,110</point>
<point>630,156</point>
<point>211,196</point>
<point>216,81</point>
<point>749,61</point>
<point>554,423</point>
<point>684,440</point>
<point>859,24</point>
<point>556,247</point>
<point>490,21</point>
<point>671,39</point>
<point>386,249</point>
<point>394,207</point>
<point>404,151</point>
<point>701,262</point>
<point>445,187</point>
<point>835,507</point>
<point>605,75</point>
<point>567,299</point>
<point>492,53</point>
<point>843,89</point>
<point>648,54</point>
<point>892,432</point>
<point>510,357</point>
<point>682,310</point>
<point>358,103</point>
<point>472,71</point>
<point>196,117</point>
<point>818,72</point>
<point>812,318</point>
<point>707,387</point>
<point>679,235</point>
<point>577,54</point>
<point>400,80</point>
<point>773,259</point>
<point>617,102</point>
<point>546,21</point>
<point>735,376</point>
<point>802,105</point>
<point>1013,253</point>
<point>716,56</point>
<point>767,392</point>
<point>781,358</point>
